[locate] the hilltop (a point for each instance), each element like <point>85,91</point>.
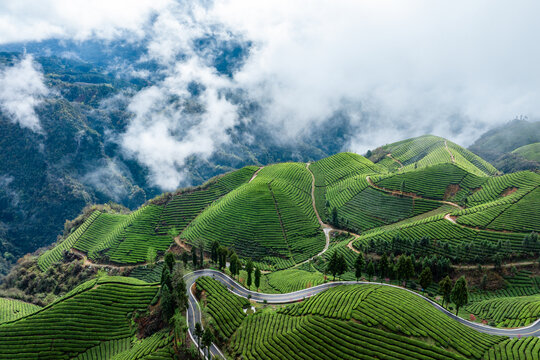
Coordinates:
<point>275,214</point>
<point>422,204</point>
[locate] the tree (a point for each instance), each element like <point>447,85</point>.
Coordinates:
<point>370,270</point>
<point>426,277</point>
<point>194,257</point>
<point>167,303</point>
<point>200,244</point>
<point>445,289</point>
<point>383,265</point>
<point>341,265</point>
<point>405,268</point>
<point>402,187</point>
<point>185,258</point>
<point>199,332</point>
<point>460,293</point>
<point>170,261</point>
<point>497,262</point>
<point>235,264</point>
<point>335,220</point>
<point>179,328</point>
<point>332,266</point>
<point>483,283</point>
<point>257,278</point>
<point>180,289</point>
<point>151,255</point>
<point>359,265</point>
<point>223,252</point>
<point>166,277</point>
<point>249,270</point>
<point>214,252</point>
<point>207,339</point>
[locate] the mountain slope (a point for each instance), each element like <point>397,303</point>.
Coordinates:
<point>429,150</point>
<point>529,152</point>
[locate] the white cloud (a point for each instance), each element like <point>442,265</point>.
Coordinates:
<point>165,133</point>
<point>21,90</point>
<point>412,64</point>
<point>29,20</point>
<point>395,68</point>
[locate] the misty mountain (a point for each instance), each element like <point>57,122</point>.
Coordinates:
<point>75,159</point>
<point>499,144</point>
<point>115,123</point>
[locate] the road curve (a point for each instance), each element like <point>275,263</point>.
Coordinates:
<point>194,313</point>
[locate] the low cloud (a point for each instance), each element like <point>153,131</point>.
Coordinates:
<point>170,124</point>
<point>35,20</point>
<point>391,69</point>
<point>22,88</point>
<point>108,178</point>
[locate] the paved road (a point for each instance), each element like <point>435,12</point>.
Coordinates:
<point>194,314</point>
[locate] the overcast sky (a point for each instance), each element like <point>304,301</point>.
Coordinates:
<point>452,68</point>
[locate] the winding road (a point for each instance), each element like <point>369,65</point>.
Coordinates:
<point>194,312</point>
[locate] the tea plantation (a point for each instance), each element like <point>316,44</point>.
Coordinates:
<point>355,322</point>
<point>96,312</point>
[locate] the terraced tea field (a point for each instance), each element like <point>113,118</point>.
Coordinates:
<point>11,309</point>
<point>94,313</point>
<point>508,311</point>
<point>363,321</point>
<point>271,217</point>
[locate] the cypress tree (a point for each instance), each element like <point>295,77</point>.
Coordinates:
<point>460,293</point>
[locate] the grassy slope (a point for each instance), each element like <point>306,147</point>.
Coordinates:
<point>94,312</point>
<point>353,322</point>
<point>530,152</point>
<point>508,311</point>
<point>125,239</point>
<point>269,219</point>
<point>11,309</point>
<point>429,150</point>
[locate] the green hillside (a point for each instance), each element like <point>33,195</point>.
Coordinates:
<point>94,313</point>
<point>509,311</point>
<point>354,322</point>
<point>268,214</point>
<point>270,219</point>
<point>529,152</point>
<point>11,309</point>
<point>429,150</point>
<point>126,239</point>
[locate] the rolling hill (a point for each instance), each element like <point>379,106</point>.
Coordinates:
<point>267,213</point>
<point>529,152</point>
<point>424,199</point>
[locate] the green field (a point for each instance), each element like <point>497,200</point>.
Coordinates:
<point>269,219</point>
<point>225,308</point>
<point>94,313</point>
<point>509,311</point>
<point>125,239</point>
<point>356,322</point>
<point>11,309</point>
<point>429,150</point>
<point>272,218</point>
<point>529,152</point>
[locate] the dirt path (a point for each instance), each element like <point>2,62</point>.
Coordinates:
<point>492,266</point>
<point>350,244</point>
<point>450,218</point>
<point>327,229</point>
<point>447,149</point>
<point>87,262</point>
<point>255,174</point>
<point>396,160</point>
<point>411,195</point>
